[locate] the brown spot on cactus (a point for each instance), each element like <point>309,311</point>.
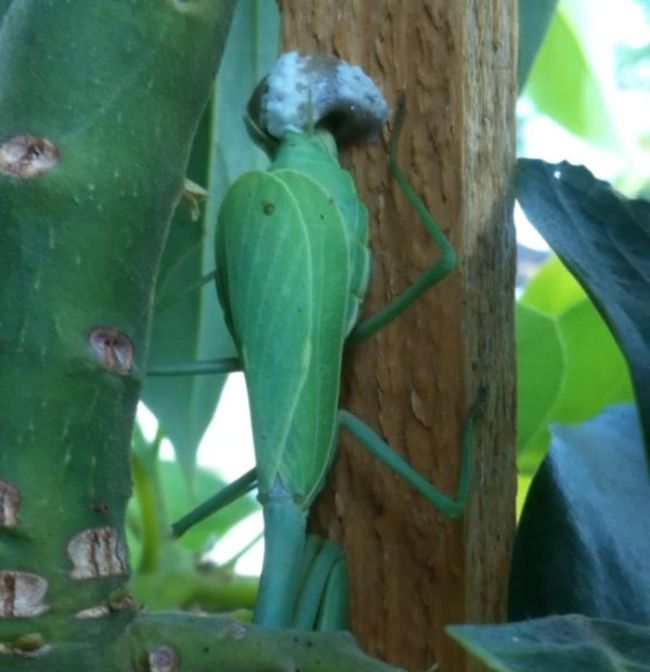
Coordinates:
<point>101,508</point>
<point>113,349</point>
<point>97,552</point>
<point>9,504</point>
<point>27,156</point>
<point>163,659</point>
<point>21,594</point>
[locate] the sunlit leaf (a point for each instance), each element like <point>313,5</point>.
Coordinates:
<point>563,85</point>
<point>553,289</point>
<point>540,372</point>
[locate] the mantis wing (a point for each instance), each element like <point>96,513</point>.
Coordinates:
<point>283,282</point>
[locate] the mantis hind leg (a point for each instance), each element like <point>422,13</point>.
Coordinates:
<point>448,506</point>
<point>444,265</point>
<point>322,603</point>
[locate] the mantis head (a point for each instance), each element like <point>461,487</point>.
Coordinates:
<point>308,93</point>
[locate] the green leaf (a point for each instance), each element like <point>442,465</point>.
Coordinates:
<point>596,372</point>
<point>193,328</point>
<point>540,372</point>
<point>552,289</point>
<point>563,85</point>
<point>184,405</point>
<point>177,500</point>
<point>583,540</point>
<point>581,389</point>
<point>534,19</point>
<point>604,240</point>
<point>168,499</point>
<point>559,337</point>
<point>558,643</point>
<point>251,50</point>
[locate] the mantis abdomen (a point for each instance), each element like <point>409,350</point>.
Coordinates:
<point>286,273</point>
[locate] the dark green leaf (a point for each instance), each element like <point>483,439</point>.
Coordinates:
<point>251,50</point>
<point>534,18</point>
<point>558,644</point>
<point>4,6</point>
<point>604,240</point>
<point>583,540</point>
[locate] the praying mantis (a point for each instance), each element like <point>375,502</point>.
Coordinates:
<point>293,266</point>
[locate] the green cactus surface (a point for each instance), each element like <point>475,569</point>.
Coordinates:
<point>99,103</point>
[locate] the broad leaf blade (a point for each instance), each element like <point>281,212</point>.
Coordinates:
<point>604,240</point>
<point>540,373</point>
<point>554,314</point>
<point>596,372</point>
<point>534,19</point>
<point>194,328</point>
<point>184,405</point>
<point>251,50</point>
<point>581,388</point>
<point>583,540</point>
<point>571,643</point>
<point>552,290</point>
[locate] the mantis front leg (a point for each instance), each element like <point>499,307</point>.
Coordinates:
<point>444,265</point>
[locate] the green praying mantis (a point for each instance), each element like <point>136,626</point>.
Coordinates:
<point>293,266</point>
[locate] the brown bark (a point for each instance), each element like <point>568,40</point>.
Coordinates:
<point>412,571</point>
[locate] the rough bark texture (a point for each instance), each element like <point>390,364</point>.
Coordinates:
<point>412,571</point>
